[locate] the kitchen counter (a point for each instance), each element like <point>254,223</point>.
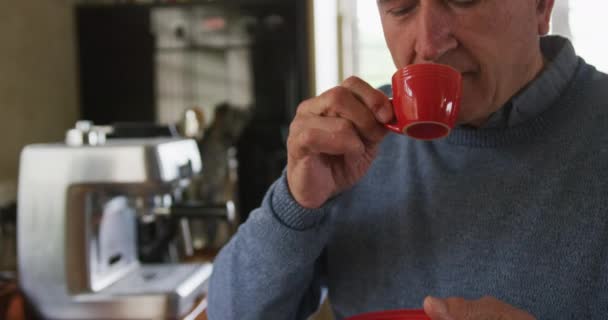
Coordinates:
<point>13,306</point>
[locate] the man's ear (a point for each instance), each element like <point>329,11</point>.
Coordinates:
<point>543,15</point>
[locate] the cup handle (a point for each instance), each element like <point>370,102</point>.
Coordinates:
<point>393,126</point>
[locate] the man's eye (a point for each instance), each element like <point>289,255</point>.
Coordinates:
<point>401,11</point>
<point>463,3</point>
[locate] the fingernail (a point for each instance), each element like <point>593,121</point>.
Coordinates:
<point>439,306</point>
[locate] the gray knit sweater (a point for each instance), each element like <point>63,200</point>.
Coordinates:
<point>517,210</point>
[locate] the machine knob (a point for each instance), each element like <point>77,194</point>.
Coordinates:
<point>85,133</point>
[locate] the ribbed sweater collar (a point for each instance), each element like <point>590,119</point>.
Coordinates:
<point>528,113</point>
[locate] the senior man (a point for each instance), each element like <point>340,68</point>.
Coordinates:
<point>506,218</point>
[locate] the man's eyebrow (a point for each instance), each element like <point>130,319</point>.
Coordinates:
<point>381,2</point>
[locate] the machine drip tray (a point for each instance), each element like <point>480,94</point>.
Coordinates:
<point>162,279</point>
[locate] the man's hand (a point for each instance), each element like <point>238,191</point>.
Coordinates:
<point>486,308</point>
<point>333,140</point>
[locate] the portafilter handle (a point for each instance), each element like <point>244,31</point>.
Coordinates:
<point>197,210</point>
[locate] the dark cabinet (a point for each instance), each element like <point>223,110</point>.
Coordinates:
<point>148,63</point>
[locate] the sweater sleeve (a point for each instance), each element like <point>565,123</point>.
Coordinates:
<point>271,268</point>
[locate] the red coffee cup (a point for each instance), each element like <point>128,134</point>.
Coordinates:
<point>411,314</point>
<point>426,100</point>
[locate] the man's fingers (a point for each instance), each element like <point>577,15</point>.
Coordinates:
<point>457,309</point>
<point>486,308</point>
<point>373,98</point>
<point>314,135</point>
<point>340,102</point>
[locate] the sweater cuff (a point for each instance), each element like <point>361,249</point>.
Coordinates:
<point>287,210</point>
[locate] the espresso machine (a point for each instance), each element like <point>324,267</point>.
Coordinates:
<point>79,207</point>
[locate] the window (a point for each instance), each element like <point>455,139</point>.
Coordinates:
<point>365,52</point>
<point>583,21</point>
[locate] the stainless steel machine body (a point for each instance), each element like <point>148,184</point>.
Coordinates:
<point>77,216</point>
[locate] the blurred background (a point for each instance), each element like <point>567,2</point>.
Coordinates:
<point>229,74</point>
<point>47,44</point>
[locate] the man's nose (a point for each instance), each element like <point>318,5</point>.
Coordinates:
<point>434,33</point>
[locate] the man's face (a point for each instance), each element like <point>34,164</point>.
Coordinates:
<point>493,43</point>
